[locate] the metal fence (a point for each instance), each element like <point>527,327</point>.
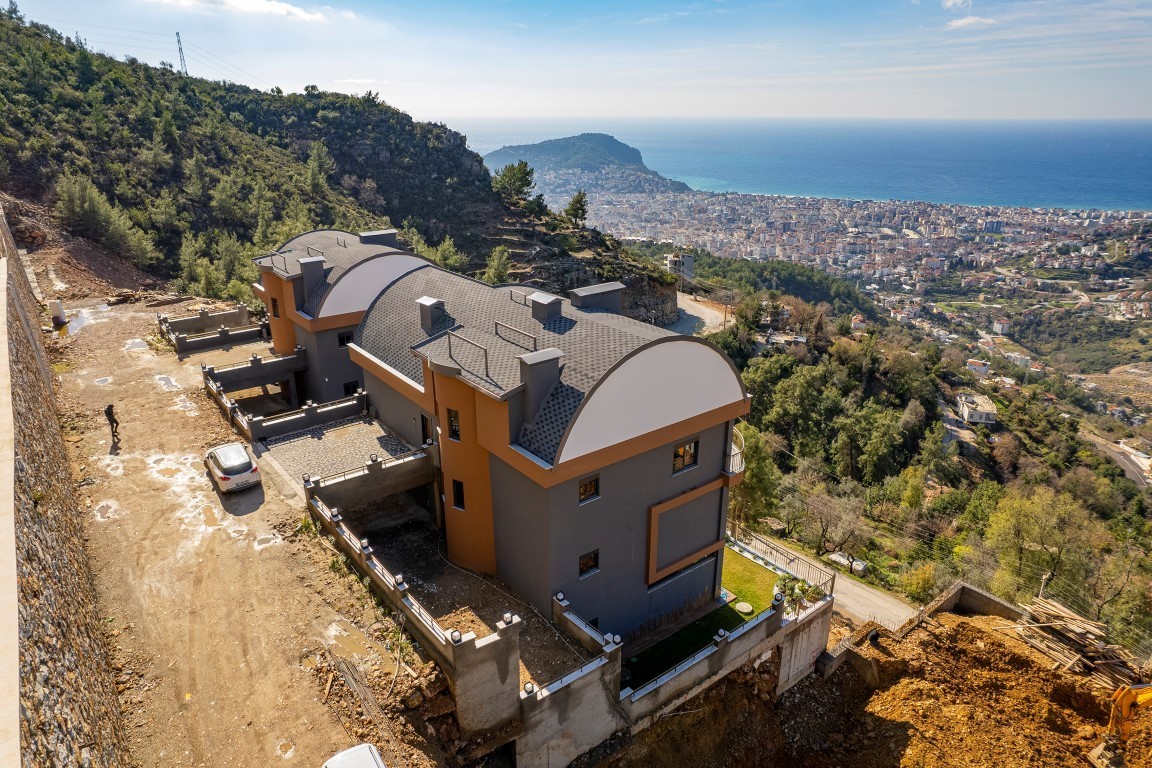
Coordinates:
<point>783,559</point>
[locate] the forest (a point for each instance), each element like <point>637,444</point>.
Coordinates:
<point>847,451</point>
<point>190,178</point>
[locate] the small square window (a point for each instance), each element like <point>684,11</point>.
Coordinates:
<point>458,494</point>
<point>590,488</point>
<point>344,339</point>
<point>684,457</point>
<point>453,424</point>
<point>350,388</point>
<point>590,563</point>
<point>275,307</point>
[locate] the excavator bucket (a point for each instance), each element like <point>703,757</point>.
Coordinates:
<point>1106,755</point>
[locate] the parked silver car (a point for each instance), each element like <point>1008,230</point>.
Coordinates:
<point>360,756</point>
<point>232,467</point>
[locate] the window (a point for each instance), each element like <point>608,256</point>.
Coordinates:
<point>590,488</point>
<point>350,388</point>
<point>344,339</point>
<point>684,457</point>
<point>425,430</point>
<point>453,424</point>
<point>458,494</point>
<point>275,307</point>
<point>589,563</point>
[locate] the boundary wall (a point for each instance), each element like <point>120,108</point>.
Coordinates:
<point>207,330</point>
<point>483,673</point>
<point>58,700</point>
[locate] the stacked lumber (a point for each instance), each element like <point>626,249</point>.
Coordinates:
<point>1076,644</point>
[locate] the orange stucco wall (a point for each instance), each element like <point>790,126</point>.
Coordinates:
<point>283,329</point>
<point>470,531</point>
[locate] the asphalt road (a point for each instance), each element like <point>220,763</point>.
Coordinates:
<point>858,601</point>
<point>1133,470</point>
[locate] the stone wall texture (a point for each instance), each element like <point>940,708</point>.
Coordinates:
<point>69,713</point>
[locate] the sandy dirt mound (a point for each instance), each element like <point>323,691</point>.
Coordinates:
<point>954,693</point>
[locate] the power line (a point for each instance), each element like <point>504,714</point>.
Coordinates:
<point>183,64</point>
<point>227,64</point>
<point>100,26</point>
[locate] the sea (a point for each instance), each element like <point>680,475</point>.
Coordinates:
<point>1079,164</point>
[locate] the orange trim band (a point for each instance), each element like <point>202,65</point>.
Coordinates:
<point>496,441</point>
<point>655,573</point>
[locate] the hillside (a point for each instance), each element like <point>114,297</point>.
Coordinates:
<point>189,178</point>
<point>586,152</point>
<point>594,162</point>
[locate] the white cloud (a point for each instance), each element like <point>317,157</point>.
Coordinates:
<point>255,7</point>
<point>971,22</point>
<point>956,5</point>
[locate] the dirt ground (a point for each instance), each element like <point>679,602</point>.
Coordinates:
<point>1132,380</point>
<point>954,693</point>
<point>225,622</point>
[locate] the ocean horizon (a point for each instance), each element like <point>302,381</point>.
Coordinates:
<point>1105,164</point>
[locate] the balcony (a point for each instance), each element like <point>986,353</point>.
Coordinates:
<point>734,458</point>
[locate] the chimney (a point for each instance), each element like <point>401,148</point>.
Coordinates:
<point>538,372</point>
<point>545,306</point>
<point>431,312</point>
<point>386,237</point>
<point>605,296</point>
<point>312,272</point>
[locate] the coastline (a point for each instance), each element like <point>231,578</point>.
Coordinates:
<point>1061,165</point>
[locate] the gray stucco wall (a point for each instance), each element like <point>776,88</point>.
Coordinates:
<point>617,596</point>
<point>399,413</point>
<point>329,365</point>
<point>522,532</point>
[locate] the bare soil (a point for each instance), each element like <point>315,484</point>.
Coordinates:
<point>955,692</point>
<point>224,619</point>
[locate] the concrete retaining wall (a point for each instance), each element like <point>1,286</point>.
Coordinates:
<point>256,371</point>
<point>962,597</point>
<point>483,673</point>
<point>254,428</point>
<point>377,480</point>
<point>572,715</point>
<point>311,415</point>
<point>208,330</point>
<point>205,321</point>
<point>68,712</point>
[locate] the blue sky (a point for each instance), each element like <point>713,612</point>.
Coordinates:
<point>439,59</point>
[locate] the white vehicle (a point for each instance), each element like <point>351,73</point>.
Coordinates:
<point>232,467</point>
<point>360,756</point>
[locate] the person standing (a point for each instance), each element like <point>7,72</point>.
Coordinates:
<point>113,422</point>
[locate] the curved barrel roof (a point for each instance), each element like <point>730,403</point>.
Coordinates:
<point>492,327</point>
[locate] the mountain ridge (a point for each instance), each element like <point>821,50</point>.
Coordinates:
<point>597,162</point>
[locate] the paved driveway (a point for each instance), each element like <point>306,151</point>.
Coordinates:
<point>856,600</point>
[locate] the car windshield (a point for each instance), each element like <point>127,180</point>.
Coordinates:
<point>233,459</point>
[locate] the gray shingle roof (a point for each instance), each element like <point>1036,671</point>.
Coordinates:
<point>341,251</point>
<point>592,342</point>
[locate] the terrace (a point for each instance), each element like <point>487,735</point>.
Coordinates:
<point>748,590</point>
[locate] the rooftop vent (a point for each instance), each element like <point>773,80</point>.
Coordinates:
<point>544,306</point>
<point>431,312</point>
<point>539,371</point>
<point>606,296</point>
<point>385,237</point>
<point>312,274</point>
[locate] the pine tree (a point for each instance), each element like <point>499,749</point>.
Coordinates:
<point>577,210</point>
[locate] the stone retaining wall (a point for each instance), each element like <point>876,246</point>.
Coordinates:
<point>68,709</point>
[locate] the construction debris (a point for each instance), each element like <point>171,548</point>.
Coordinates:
<point>1075,644</point>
